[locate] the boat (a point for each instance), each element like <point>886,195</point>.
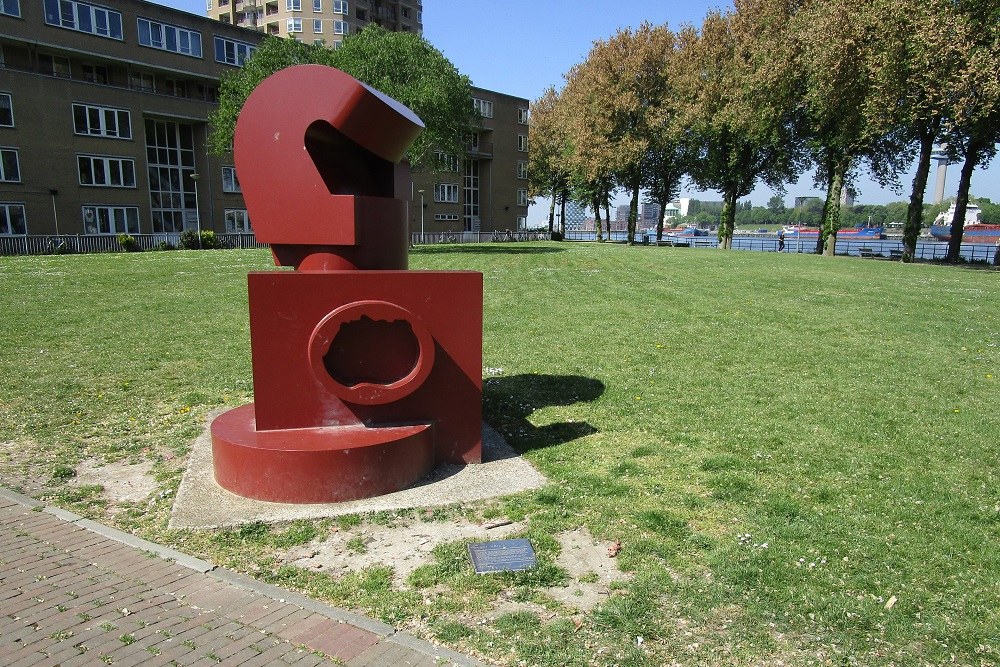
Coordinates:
<point>975,233</point>
<point>847,233</point>
<point>685,231</point>
<point>973,230</point>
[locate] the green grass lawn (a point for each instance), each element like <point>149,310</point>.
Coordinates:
<point>799,455</point>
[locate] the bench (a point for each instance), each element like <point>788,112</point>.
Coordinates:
<point>866,252</point>
<point>896,254</point>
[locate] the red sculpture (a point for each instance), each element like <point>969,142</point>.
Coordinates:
<point>366,375</point>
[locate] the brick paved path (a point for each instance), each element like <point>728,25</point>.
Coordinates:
<point>74,592</point>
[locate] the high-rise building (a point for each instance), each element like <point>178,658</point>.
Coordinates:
<point>104,124</point>
<point>318,21</point>
<point>576,214</point>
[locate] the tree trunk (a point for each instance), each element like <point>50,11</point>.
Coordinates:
<point>552,212</point>
<point>962,200</point>
<point>831,221</point>
<point>727,221</point>
<point>820,238</point>
<point>597,217</point>
<point>633,213</point>
<point>562,215</point>
<point>607,212</point>
<point>659,222</point>
<point>915,211</point>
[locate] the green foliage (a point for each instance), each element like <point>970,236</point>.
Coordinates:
<point>128,243</point>
<point>165,245</point>
<point>209,241</point>
<point>190,240</point>
<point>402,65</point>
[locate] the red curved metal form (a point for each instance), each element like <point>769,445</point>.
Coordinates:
<point>365,375</point>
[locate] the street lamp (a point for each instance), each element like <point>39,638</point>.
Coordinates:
<point>197,213</point>
<point>421,215</point>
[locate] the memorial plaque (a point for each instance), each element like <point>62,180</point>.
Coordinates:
<point>502,556</point>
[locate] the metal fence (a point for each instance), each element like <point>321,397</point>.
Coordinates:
<point>92,243</point>
<point>430,238</point>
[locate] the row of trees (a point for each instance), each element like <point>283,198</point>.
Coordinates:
<point>767,90</point>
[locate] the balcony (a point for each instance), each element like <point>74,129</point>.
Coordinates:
<point>481,149</point>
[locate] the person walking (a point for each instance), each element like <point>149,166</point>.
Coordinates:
<point>781,240</point>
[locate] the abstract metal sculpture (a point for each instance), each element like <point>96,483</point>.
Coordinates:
<point>366,375</point>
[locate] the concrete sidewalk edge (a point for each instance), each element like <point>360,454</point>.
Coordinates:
<point>382,630</point>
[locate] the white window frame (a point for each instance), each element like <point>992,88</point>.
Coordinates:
<point>484,107</point>
<point>317,26</point>
<point>522,143</point>
<point>522,169</point>
<point>447,161</point>
<point>522,197</point>
<point>60,65</point>
<point>230,181</point>
<point>293,5</point>
<point>7,102</point>
<point>5,154</point>
<point>233,52</point>
<point>341,28</point>
<point>10,8</point>
<point>237,221</point>
<point>522,222</point>
<point>522,115</point>
<point>84,17</point>
<point>6,228</point>
<point>293,25</point>
<point>109,165</point>
<point>157,35</point>
<point>446,193</point>
<point>446,217</point>
<point>317,5</point>
<point>128,223</point>
<point>341,7</point>
<point>100,121</point>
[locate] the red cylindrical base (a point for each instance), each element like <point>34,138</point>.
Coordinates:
<point>317,465</point>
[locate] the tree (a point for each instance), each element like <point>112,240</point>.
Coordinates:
<point>974,129</point>
<point>402,65</point>
<point>737,102</point>
<point>776,204</point>
<point>548,175</point>
<point>614,99</point>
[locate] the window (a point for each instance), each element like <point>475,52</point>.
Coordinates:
<point>317,26</point>
<point>170,164</point>
<point>361,14</point>
<point>10,7</point>
<point>420,16</point>
<point>12,220</point>
<point>229,181</point>
<point>340,7</point>
<point>175,87</point>
<point>522,222</point>
<point>102,121</point>
<point>446,192</point>
<point>168,37</point>
<point>6,110</point>
<point>446,217</point>
<point>522,197</point>
<point>54,65</point>
<point>293,5</point>
<point>340,28</point>
<point>294,25</point>
<point>95,73</point>
<point>484,107</point>
<point>522,169</point>
<point>10,168</point>
<point>231,52</point>
<point>446,161</point>
<point>110,220</point>
<point>522,142</point>
<point>208,5</point>
<point>522,116</point>
<point>84,17</point>
<point>405,11</point>
<point>237,221</point>
<point>109,172</point>
<point>142,81</point>
<point>317,5</point>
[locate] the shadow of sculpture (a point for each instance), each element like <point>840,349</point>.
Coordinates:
<point>509,401</point>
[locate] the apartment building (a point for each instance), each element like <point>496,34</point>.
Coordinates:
<point>104,122</point>
<point>103,119</point>
<point>318,21</point>
<point>487,188</point>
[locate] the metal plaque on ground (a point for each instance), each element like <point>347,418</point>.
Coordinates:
<point>502,556</point>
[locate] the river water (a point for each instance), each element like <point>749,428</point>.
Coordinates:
<point>926,249</point>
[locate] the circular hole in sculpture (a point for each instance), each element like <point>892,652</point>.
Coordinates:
<point>368,351</point>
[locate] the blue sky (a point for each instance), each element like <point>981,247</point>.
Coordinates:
<point>520,47</point>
